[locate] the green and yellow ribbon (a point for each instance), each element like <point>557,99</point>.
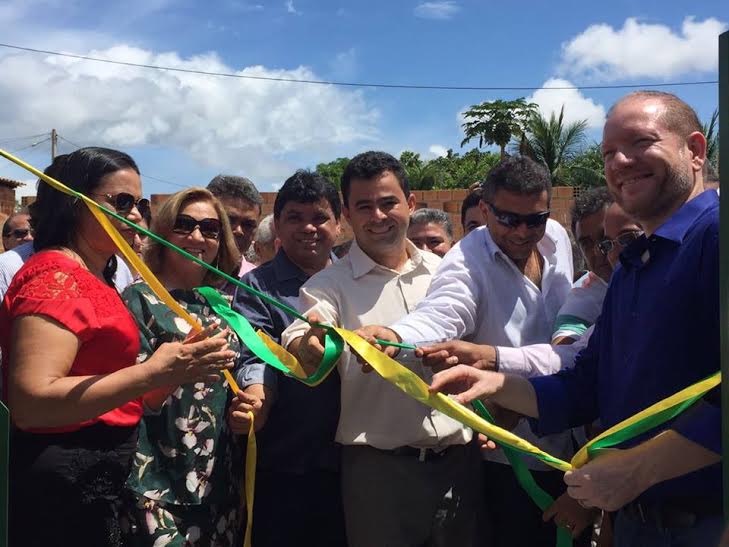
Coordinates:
<point>406,380</point>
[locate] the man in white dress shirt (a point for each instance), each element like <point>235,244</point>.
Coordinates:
<point>409,473</point>
<point>503,285</point>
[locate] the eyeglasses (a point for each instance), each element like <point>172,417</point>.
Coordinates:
<point>607,245</point>
<point>514,220</point>
<point>124,203</point>
<point>19,233</point>
<point>209,227</point>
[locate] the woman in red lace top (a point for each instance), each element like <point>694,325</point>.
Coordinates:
<point>69,349</point>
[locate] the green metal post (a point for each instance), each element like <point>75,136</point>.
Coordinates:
<point>724,244</point>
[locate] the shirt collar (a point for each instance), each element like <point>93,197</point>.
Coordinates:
<point>284,269</point>
<point>675,228</point>
<point>362,264</point>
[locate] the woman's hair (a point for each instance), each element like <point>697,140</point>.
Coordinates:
<point>54,215</point>
<point>228,258</point>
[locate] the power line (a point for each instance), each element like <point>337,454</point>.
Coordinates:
<point>13,139</point>
<point>142,174</point>
<point>30,145</point>
<point>354,84</point>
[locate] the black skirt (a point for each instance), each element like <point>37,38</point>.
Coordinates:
<point>66,488</point>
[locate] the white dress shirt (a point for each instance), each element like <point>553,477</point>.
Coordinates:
<point>354,292</point>
<point>479,295</point>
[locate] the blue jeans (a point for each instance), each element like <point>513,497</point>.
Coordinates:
<point>630,532</point>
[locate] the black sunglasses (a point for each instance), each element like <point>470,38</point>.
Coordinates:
<point>209,227</point>
<point>514,220</point>
<point>607,245</point>
<point>19,233</point>
<point>124,203</point>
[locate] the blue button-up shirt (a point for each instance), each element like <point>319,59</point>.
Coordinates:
<point>299,434</point>
<point>658,333</point>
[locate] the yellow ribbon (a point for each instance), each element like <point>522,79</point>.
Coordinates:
<point>415,387</point>
<point>388,368</point>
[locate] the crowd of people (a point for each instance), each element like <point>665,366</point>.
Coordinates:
<point>124,432</point>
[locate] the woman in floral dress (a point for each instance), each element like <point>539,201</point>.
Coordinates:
<point>186,474</point>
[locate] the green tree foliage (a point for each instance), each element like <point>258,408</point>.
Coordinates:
<point>333,170</point>
<point>554,143</point>
<point>711,132</point>
<point>496,122</point>
<point>586,169</point>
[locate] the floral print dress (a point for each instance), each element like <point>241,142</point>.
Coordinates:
<point>186,474</point>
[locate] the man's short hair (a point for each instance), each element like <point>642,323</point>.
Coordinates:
<point>369,165</point>
<point>307,187</point>
<point>231,186</point>
<point>590,202</point>
<point>679,117</point>
<point>519,175</point>
<point>6,224</point>
<point>471,200</point>
<point>436,216</point>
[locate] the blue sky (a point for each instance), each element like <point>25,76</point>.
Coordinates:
<point>185,128</point>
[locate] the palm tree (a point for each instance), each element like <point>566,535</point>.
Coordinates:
<point>711,132</point>
<point>496,122</point>
<point>422,175</point>
<point>553,143</point>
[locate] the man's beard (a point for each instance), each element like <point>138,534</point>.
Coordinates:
<point>675,188</point>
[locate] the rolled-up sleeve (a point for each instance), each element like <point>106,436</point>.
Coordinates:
<point>702,425</point>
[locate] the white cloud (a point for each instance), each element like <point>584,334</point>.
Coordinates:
<point>643,50</point>
<point>576,106</point>
<point>437,150</point>
<point>231,124</point>
<point>290,8</point>
<point>440,10</point>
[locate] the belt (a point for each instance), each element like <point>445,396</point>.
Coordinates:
<point>422,454</point>
<point>680,514</point>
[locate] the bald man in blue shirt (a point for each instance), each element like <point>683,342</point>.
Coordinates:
<point>658,333</point>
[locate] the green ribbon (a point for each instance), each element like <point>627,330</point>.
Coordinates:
<point>334,346</point>
<point>525,478</point>
<point>333,343</point>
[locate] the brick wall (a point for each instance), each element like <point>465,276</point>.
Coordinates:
<point>446,200</point>
<point>7,200</point>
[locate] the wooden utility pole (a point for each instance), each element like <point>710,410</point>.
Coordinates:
<point>54,144</point>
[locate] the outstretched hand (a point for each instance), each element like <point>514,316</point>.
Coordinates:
<point>467,383</point>
<point>456,352</point>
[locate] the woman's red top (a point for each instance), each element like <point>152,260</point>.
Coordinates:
<point>53,285</point>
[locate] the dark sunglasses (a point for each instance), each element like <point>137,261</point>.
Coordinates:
<point>19,233</point>
<point>209,227</point>
<point>514,220</point>
<point>124,203</point>
<point>607,245</point>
